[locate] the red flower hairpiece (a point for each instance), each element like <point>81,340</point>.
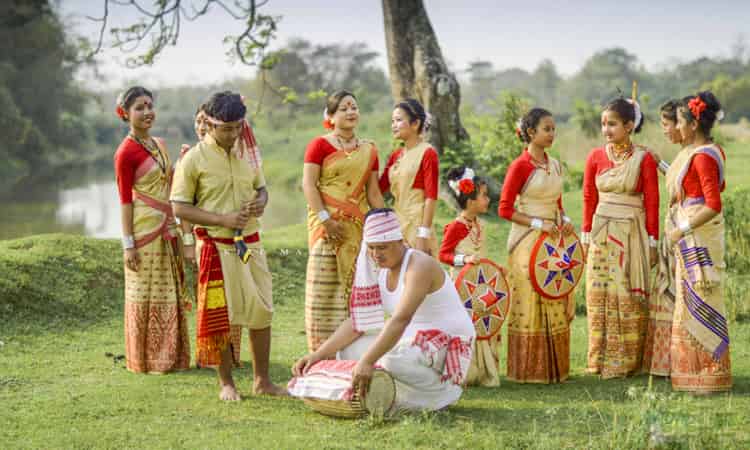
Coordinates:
<point>697,106</point>
<point>328,125</point>
<point>466,186</point>
<point>120,112</point>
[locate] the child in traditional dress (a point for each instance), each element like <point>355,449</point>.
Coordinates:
<point>463,243</point>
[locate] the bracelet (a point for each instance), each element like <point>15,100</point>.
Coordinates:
<point>536,223</point>
<point>458,260</point>
<point>585,237</point>
<point>685,226</point>
<point>188,239</point>
<point>424,232</point>
<point>653,242</point>
<point>663,166</point>
<point>566,219</point>
<point>128,242</point>
<point>323,215</point>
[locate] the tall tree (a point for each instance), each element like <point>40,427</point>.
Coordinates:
<point>418,70</point>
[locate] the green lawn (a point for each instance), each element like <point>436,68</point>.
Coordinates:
<point>61,312</point>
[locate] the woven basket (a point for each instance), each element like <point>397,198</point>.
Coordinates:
<point>379,400</point>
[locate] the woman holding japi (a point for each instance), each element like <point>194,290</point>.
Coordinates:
<point>464,243</point>
<point>661,301</point>
<point>156,339</point>
<point>620,235</point>
<point>538,327</point>
<point>340,182</point>
<point>411,175</point>
<point>695,179</point>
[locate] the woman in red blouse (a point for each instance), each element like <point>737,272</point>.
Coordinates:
<point>620,233</point>
<point>156,339</point>
<point>538,328</point>
<point>411,175</point>
<point>340,182</point>
<point>699,350</point>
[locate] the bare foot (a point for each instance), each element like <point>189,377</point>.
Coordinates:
<point>229,393</point>
<point>268,388</point>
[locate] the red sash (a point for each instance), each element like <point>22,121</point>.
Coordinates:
<point>212,322</point>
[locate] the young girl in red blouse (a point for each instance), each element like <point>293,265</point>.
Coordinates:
<point>538,328</point>
<point>411,175</point>
<point>699,349</point>
<point>156,339</point>
<point>464,243</point>
<point>620,234</point>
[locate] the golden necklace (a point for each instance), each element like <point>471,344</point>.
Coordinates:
<point>621,152</point>
<point>153,149</point>
<point>544,165</point>
<point>341,141</point>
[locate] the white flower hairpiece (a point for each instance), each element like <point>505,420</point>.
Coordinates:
<point>467,175</point>
<point>720,115</point>
<point>638,114</point>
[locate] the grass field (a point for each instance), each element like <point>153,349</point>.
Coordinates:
<point>61,313</point>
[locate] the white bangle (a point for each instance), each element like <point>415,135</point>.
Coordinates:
<point>188,239</point>
<point>663,166</point>
<point>566,219</point>
<point>585,237</point>
<point>653,242</point>
<point>323,215</point>
<point>128,242</point>
<point>424,232</point>
<point>536,223</point>
<point>685,226</point>
<point>459,260</point>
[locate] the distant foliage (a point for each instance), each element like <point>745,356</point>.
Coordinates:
<point>586,116</point>
<point>494,143</point>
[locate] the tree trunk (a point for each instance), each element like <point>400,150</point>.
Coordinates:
<point>417,70</point>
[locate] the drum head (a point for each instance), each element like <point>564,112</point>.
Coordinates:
<point>380,398</point>
<point>485,293</point>
<point>382,393</point>
<point>556,267</point>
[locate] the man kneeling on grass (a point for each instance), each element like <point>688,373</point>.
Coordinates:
<point>425,345</point>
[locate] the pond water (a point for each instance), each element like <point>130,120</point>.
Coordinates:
<point>88,204</point>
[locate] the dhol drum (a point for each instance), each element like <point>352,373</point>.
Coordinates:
<point>486,295</point>
<point>556,266</point>
<point>327,389</point>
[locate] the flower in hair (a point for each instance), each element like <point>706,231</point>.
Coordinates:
<point>697,106</point>
<point>460,185</point>
<point>327,123</point>
<point>120,111</point>
<point>466,186</point>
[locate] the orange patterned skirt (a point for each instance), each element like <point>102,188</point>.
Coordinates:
<point>156,336</point>
<point>538,328</point>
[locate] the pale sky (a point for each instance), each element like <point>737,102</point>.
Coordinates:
<point>506,33</point>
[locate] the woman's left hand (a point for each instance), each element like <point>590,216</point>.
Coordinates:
<point>361,376</point>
